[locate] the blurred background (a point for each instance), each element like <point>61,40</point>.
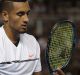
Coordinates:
<point>44,14</point>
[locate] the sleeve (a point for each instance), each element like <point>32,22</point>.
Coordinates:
<point>38,67</point>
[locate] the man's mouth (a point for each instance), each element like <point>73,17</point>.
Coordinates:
<point>24,26</point>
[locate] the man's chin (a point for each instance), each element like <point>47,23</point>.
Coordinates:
<point>21,32</point>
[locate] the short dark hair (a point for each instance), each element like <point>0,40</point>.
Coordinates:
<point>14,0</point>
<point>8,4</point>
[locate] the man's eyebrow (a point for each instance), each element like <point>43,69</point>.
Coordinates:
<point>23,11</point>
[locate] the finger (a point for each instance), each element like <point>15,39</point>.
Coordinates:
<point>60,72</point>
<point>56,73</point>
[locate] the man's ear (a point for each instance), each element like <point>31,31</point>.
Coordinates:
<point>5,16</point>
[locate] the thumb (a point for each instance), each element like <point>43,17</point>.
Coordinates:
<point>60,72</point>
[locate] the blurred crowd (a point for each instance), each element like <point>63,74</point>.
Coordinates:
<point>44,14</point>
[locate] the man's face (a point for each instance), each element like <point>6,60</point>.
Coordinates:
<point>18,17</point>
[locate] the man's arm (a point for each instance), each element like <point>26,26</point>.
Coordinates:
<point>37,73</point>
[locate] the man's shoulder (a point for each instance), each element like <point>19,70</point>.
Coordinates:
<point>28,37</point>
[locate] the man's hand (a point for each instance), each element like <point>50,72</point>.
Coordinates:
<point>59,72</point>
<point>37,73</point>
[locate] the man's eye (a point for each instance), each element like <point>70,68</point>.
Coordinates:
<point>20,14</point>
<point>28,13</point>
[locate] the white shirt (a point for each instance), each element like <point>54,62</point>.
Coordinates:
<point>28,48</point>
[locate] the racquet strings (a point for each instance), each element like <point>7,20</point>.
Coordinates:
<point>60,45</point>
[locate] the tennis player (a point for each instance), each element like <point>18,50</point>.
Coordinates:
<point>15,44</point>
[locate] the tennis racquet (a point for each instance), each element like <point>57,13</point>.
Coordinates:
<point>60,46</point>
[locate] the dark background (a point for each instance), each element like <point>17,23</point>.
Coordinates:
<point>45,13</point>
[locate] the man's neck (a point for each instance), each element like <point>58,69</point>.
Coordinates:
<point>13,36</point>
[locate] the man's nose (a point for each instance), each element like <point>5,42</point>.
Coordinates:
<point>26,19</point>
